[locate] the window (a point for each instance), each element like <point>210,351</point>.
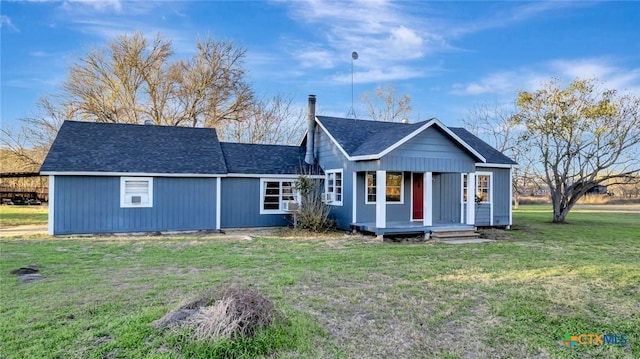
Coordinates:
<point>483,186</point>
<point>333,187</point>
<point>274,193</point>
<point>464,187</point>
<point>394,191</point>
<point>371,187</point>
<point>136,192</point>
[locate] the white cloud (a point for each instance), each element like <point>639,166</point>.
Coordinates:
<point>386,36</point>
<point>98,5</point>
<point>395,34</point>
<point>532,77</point>
<point>315,58</point>
<point>6,23</point>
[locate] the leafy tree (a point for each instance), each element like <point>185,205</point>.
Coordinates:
<point>385,106</point>
<point>582,136</point>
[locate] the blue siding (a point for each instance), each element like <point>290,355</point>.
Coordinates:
<point>483,214</point>
<point>430,151</point>
<point>501,199</point>
<point>330,157</point>
<point>92,205</point>
<point>447,189</point>
<point>240,205</point>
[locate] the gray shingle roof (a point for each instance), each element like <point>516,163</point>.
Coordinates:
<point>486,150</point>
<point>108,147</point>
<point>365,137</point>
<point>247,158</point>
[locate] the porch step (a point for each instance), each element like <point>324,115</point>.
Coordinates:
<point>449,234</point>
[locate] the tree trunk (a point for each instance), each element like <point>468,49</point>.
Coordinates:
<point>560,210</point>
<point>559,217</point>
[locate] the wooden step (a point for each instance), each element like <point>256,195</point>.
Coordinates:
<point>454,234</point>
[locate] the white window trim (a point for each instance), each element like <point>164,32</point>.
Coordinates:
<point>123,203</point>
<point>263,182</point>
<point>326,186</point>
<point>462,201</point>
<point>366,188</point>
<point>490,184</point>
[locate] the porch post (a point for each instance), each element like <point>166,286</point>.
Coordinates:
<point>354,198</point>
<point>218,201</point>
<point>427,203</point>
<point>381,199</point>
<point>51,205</point>
<point>510,197</point>
<point>471,198</point>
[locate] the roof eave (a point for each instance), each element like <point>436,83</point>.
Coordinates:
<point>130,174</point>
<point>413,134</point>
<point>497,165</point>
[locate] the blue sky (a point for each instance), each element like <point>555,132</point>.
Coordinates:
<point>449,57</point>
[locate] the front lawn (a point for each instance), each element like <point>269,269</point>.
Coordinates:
<point>343,297</point>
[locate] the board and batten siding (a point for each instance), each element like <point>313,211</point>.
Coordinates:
<point>501,195</point>
<point>240,205</point>
<point>329,157</point>
<point>87,204</point>
<point>429,151</point>
<point>446,194</point>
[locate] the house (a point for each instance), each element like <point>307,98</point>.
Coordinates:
<point>378,177</point>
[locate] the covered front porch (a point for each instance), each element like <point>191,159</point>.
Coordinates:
<point>406,202</point>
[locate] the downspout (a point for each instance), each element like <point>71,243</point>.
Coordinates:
<point>311,129</point>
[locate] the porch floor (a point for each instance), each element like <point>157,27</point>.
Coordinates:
<point>406,227</point>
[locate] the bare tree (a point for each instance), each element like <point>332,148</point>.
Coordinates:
<point>497,125</point>
<point>29,144</point>
<point>133,80</point>
<point>272,121</point>
<point>385,106</point>
<point>582,136</point>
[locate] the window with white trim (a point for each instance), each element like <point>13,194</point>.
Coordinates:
<point>482,190</point>
<point>274,193</point>
<point>136,192</point>
<point>394,191</point>
<point>333,187</point>
<point>483,187</point>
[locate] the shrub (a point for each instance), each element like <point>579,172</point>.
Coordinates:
<point>313,213</point>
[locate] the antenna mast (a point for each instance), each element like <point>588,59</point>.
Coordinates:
<point>354,56</point>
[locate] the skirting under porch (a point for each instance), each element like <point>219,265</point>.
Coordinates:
<point>407,227</point>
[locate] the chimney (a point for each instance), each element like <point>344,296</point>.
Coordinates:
<point>311,129</point>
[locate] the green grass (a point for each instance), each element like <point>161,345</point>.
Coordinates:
<point>343,297</point>
<point>11,216</point>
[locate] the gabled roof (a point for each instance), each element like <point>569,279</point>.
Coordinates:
<point>491,155</point>
<point>369,140</point>
<point>90,147</point>
<point>244,158</point>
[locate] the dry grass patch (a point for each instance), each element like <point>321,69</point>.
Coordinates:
<point>238,313</point>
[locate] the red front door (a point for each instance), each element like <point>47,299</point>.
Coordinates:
<point>418,196</point>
